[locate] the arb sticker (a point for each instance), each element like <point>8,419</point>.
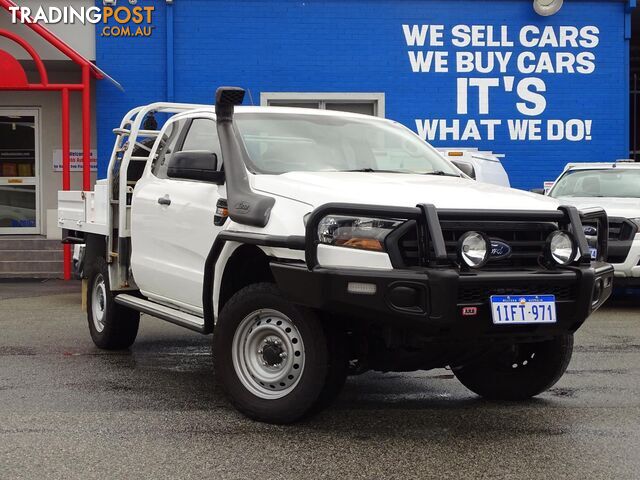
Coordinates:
<point>469,311</point>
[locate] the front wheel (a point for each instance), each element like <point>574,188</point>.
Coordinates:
<point>270,356</point>
<point>520,371</point>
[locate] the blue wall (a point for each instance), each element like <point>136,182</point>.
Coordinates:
<point>360,46</point>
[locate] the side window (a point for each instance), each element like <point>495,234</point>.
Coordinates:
<point>203,136</point>
<point>168,145</point>
<point>199,134</point>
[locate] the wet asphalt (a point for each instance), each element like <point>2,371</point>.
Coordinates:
<point>69,410</point>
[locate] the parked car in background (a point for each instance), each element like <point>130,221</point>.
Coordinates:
<point>616,188</point>
<point>482,166</point>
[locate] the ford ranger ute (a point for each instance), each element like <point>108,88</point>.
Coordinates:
<point>615,187</point>
<point>315,244</point>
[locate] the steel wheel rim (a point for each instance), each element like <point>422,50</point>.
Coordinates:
<point>523,356</point>
<point>99,303</point>
<point>268,354</point>
<point>517,357</point>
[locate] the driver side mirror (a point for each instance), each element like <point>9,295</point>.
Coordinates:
<point>197,165</point>
<point>539,191</point>
<point>466,168</point>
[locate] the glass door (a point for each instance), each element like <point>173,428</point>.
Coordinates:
<point>19,165</point>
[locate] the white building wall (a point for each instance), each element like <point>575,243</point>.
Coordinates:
<point>80,37</point>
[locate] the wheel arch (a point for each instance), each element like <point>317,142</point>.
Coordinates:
<point>230,267</point>
<point>248,264</point>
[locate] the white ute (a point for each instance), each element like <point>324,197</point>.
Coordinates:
<point>316,244</point>
<point>615,187</point>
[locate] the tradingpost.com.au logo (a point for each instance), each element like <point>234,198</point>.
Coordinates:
<point>130,20</point>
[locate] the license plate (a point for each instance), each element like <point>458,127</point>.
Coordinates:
<point>523,309</point>
<point>594,253</point>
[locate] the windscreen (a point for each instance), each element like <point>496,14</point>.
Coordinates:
<point>281,143</point>
<point>611,182</point>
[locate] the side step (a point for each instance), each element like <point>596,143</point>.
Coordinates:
<point>162,312</point>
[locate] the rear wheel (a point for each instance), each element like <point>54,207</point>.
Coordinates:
<point>270,356</point>
<point>520,371</point>
<point>112,326</point>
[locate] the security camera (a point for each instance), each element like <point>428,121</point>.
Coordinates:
<point>547,8</point>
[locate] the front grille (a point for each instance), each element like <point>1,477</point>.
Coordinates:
<point>481,293</point>
<point>621,229</point>
<point>526,239</point>
<point>621,234</point>
<point>408,246</point>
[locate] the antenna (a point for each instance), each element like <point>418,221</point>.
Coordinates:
<point>250,97</point>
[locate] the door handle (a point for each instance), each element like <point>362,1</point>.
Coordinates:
<point>164,200</point>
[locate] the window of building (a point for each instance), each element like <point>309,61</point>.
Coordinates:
<point>364,103</point>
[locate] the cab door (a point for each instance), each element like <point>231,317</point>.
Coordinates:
<point>173,221</point>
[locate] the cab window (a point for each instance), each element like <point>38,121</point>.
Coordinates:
<point>168,143</point>
<point>184,135</point>
<point>202,135</point>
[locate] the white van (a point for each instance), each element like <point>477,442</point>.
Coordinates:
<point>483,166</point>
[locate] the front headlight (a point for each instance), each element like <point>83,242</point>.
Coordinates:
<point>363,233</point>
<point>561,248</point>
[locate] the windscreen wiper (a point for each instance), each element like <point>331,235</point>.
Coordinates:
<point>441,174</point>
<point>372,170</point>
